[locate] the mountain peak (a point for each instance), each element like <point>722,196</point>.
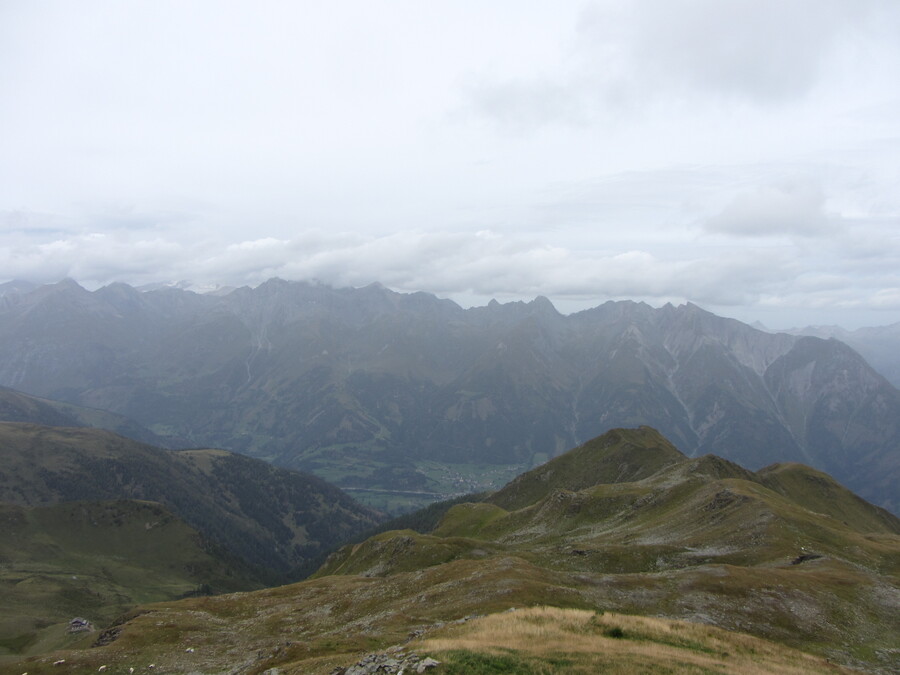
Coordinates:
<point>68,284</point>
<point>618,456</point>
<point>542,304</point>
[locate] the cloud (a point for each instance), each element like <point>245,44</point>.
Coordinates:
<point>519,106</point>
<point>644,149</point>
<point>626,58</point>
<point>795,208</point>
<point>473,267</point>
<point>483,264</point>
<point>758,50</point>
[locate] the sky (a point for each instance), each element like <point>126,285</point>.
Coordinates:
<point>743,155</point>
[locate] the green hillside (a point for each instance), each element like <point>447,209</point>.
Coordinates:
<point>622,455</point>
<point>95,560</point>
<point>697,540</point>
<point>279,521</point>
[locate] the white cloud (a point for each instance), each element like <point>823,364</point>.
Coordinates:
<point>646,149</point>
<point>795,208</point>
<point>759,50</point>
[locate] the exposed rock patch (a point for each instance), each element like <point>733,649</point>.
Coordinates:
<point>394,660</point>
<point>80,625</point>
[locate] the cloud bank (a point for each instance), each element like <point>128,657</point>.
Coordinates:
<point>742,155</point>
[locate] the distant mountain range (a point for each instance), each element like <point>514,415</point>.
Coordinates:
<point>412,396</point>
<point>879,345</point>
<point>592,562</point>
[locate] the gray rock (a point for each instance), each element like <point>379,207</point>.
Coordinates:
<point>394,660</point>
<point>427,663</point>
<point>80,625</point>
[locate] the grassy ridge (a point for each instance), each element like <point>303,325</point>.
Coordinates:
<point>621,455</point>
<point>17,406</point>
<point>786,553</point>
<point>699,540</point>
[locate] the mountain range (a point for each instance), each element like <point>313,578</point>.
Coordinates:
<point>403,398</point>
<point>621,555</point>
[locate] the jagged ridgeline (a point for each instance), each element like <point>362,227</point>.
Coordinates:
<point>605,551</point>
<point>404,398</point>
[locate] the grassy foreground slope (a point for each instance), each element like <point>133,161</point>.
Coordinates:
<point>316,626</point>
<point>786,554</point>
<point>701,540</point>
<point>95,560</point>
<point>552,640</point>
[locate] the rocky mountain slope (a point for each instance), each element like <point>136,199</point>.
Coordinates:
<point>785,554</point>
<point>276,520</point>
<point>879,345</point>
<point>415,397</point>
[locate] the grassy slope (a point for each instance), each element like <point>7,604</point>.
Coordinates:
<point>702,540</point>
<point>317,625</point>
<point>277,520</point>
<point>618,456</point>
<point>95,560</point>
<point>552,640</point>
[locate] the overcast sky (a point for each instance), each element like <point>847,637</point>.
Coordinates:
<point>740,154</point>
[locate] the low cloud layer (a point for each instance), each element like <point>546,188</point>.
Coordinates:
<point>475,267</point>
<point>792,209</point>
<point>742,155</point>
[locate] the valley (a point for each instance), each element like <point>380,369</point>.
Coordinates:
<point>404,393</point>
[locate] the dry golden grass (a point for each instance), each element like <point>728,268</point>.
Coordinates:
<point>552,640</point>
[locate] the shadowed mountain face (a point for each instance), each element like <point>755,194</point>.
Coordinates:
<point>879,345</point>
<point>622,524</point>
<point>373,389</point>
<point>16,406</point>
<point>277,521</point>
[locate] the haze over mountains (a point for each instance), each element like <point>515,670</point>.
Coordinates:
<point>879,345</point>
<point>377,390</point>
